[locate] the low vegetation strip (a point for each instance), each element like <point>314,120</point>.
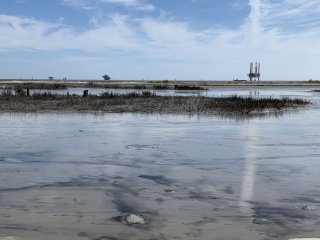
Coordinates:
<point>145,102</point>
<point>129,84</point>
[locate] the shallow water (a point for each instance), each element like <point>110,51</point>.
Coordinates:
<point>218,92</point>
<point>71,176</point>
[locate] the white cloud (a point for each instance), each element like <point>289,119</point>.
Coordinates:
<point>137,4</point>
<point>19,33</point>
<point>291,15</point>
<point>263,36</point>
<point>24,33</point>
<point>140,5</point>
<point>84,4</point>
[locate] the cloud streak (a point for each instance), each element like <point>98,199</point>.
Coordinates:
<point>136,4</point>
<point>140,5</point>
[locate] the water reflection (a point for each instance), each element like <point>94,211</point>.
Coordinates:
<point>254,93</point>
<point>248,182</point>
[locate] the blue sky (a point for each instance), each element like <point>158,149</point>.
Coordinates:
<point>159,39</point>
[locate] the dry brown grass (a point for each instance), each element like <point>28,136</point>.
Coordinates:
<point>145,102</point>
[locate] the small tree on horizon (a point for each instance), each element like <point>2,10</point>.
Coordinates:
<point>106,77</point>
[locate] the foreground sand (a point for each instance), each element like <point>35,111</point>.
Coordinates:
<point>70,176</point>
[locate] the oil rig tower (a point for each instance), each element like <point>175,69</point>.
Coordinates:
<point>254,74</point>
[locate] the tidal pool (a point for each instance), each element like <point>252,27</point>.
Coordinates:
<point>72,176</point>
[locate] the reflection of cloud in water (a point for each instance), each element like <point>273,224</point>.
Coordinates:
<point>249,173</point>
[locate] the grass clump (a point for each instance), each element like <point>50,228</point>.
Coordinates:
<point>187,87</point>
<point>159,82</point>
<point>160,86</point>
<point>139,87</point>
<point>44,96</point>
<point>107,95</point>
<point>148,94</point>
<point>20,91</point>
<point>248,105</point>
<point>111,95</point>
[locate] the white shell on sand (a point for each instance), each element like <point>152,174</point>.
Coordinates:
<point>132,219</point>
<point>308,208</point>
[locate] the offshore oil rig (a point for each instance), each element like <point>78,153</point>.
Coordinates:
<point>254,74</point>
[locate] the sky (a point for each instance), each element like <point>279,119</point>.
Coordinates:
<point>159,39</point>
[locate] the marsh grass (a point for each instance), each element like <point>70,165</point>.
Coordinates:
<point>139,87</point>
<point>249,105</point>
<point>111,95</point>
<point>48,86</point>
<point>20,91</point>
<point>188,87</point>
<point>159,82</point>
<point>160,86</point>
<point>147,102</point>
<point>45,96</point>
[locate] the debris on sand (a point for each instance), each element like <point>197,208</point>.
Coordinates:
<point>260,221</point>
<point>169,190</point>
<point>308,208</point>
<point>132,219</point>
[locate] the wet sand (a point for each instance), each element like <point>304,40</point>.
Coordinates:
<point>72,176</point>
